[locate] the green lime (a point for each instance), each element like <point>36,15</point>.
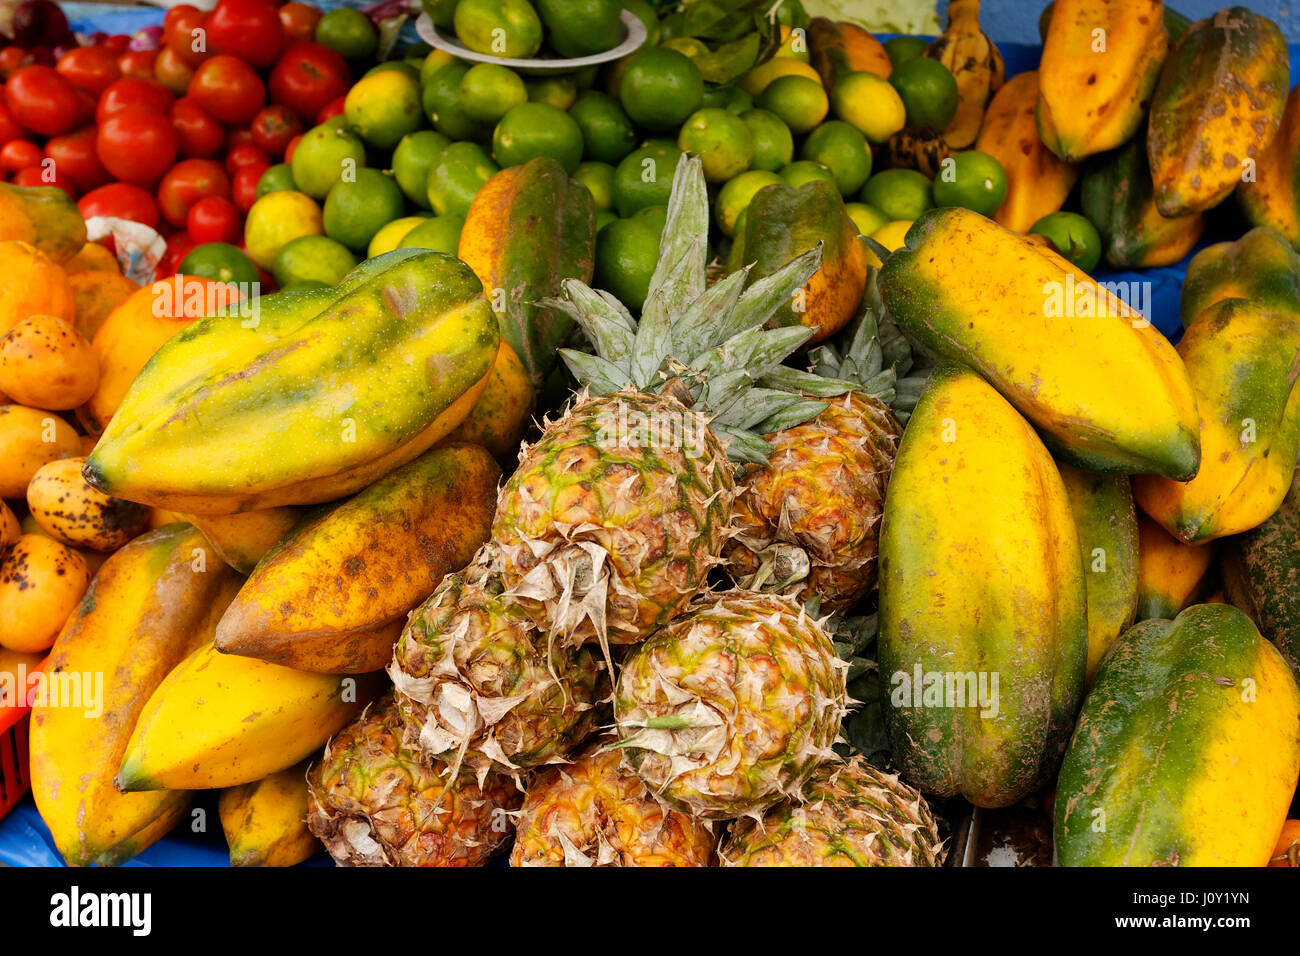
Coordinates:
<point>433,62</point>
<point>313,258</point>
<point>488,91</point>
<point>869,104</point>
<point>279,176</point>
<point>720,139</point>
<point>456,176</point>
<point>324,153</point>
<point>607,132</point>
<point>400,65</point>
<point>660,88</point>
<point>504,28</point>
<point>645,177</point>
<point>805,171</point>
<point>730,98</point>
<point>928,92</point>
<point>734,197</point>
<point>627,251</point>
<point>900,194</point>
<point>383,107</point>
<point>441,101</point>
<point>219,261</point>
<point>558,91</point>
<point>387,238</point>
<point>1073,236</point>
<point>773,141</point>
<point>441,12</point>
<point>644,12</point>
<point>358,207</point>
<point>599,180</point>
<point>843,150</point>
<point>902,49</point>
<point>585,78</point>
<point>604,217</point>
<point>537,129</point>
<point>736,254</point>
<point>412,159</point>
<point>971,179</point>
<point>441,234</point>
<point>800,102</point>
<point>578,28</point>
<point>657,216</point>
<point>348,32</point>
<point>866,217</point>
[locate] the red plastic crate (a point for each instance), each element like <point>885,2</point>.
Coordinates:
<point>15,780</point>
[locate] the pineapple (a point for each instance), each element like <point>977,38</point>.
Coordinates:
<point>850,814</point>
<point>808,521</point>
<point>612,520</point>
<point>375,802</point>
<point>478,685</point>
<point>596,812</point>
<point>731,707</point>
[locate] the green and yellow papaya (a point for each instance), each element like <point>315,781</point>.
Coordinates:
<point>1187,751</point>
<point>837,49</point>
<point>529,228</point>
<point>1106,388</point>
<point>1261,576</point>
<point>1260,266</point>
<point>1272,197</point>
<point>1106,522</point>
<point>1099,67</point>
<point>1243,361</point>
<point>44,216</point>
<point>1216,108</point>
<point>241,540</point>
<point>982,595</point>
<point>304,411</point>
<point>782,223</point>
<point>1170,572</point>
<point>501,415</point>
<point>1117,196</point>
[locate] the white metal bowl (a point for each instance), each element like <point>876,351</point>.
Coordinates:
<point>634,34</point>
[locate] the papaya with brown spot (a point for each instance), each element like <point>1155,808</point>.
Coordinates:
<point>46,363</point>
<point>41,582</point>
<point>71,511</point>
<point>1272,198</point>
<point>29,439</point>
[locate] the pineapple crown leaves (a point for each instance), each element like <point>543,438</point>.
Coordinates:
<point>711,339</point>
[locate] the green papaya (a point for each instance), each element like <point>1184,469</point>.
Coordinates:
<point>44,216</point>
<point>1187,750</point>
<point>1260,266</point>
<point>1272,197</point>
<point>303,406</point>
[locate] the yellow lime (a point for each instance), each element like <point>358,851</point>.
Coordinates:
<point>800,102</point>
<point>439,233</point>
<point>794,43</point>
<point>721,140</point>
<point>434,62</point>
<point>557,91</point>
<point>844,151</point>
<point>870,104</point>
<point>277,218</point>
<point>734,197</point>
<point>489,91</point>
<point>867,218</point>
<point>892,236</point>
<point>312,259</point>
<point>805,171</point>
<point>387,238</point>
<point>599,180</point>
<point>383,107</point>
<point>323,155</point>
<point>757,79</point>
<point>504,28</point>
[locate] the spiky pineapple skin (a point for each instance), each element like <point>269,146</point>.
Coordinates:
<point>850,814</point>
<point>746,694</point>
<point>823,491</point>
<point>477,683</point>
<point>596,812</point>
<point>658,507</point>
<point>375,802</point>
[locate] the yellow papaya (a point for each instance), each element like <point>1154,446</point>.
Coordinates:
<point>332,402</point>
<point>1272,196</point>
<point>964,611</point>
<point>1216,108</point>
<point>1038,181</point>
<point>265,822</point>
<point>836,49</point>
<point>31,283</point>
<point>1055,343</point>
<point>150,605</point>
<point>1098,71</point>
<point>241,540</point>
<point>333,595</point>
<point>1243,361</point>
<point>45,216</point>
<point>1260,266</point>
<point>1187,750</point>
<point>1170,572</point>
<point>500,416</point>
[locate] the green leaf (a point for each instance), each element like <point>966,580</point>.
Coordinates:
<point>744,447</point>
<point>762,299</point>
<point>611,333</point>
<point>594,372</point>
<point>753,406</point>
<point>793,380</point>
<point>730,61</point>
<point>796,413</point>
<point>696,328</point>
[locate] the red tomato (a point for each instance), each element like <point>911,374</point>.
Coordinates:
<point>293,145</point>
<point>186,183</point>
<point>137,63</point>
<point>42,100</point>
<point>19,154</point>
<point>74,156</point>
<point>243,185</point>
<point>331,109</point>
<point>13,58</point>
<point>249,29</point>
<point>172,72</point>
<point>273,127</point>
<point>90,68</point>
<point>180,36</point>
<point>133,91</point>
<point>117,43</point>
<point>228,88</point>
<point>239,137</point>
<point>197,133</point>
<point>308,76</point>
<point>136,145</point>
<point>46,174</point>
<point>179,245</point>
<point>213,219</point>
<point>10,128</point>
<point>299,21</point>
<point>120,201</point>
<point>245,156</point>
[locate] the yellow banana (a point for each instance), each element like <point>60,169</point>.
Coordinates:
<point>265,821</point>
<point>975,64</point>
